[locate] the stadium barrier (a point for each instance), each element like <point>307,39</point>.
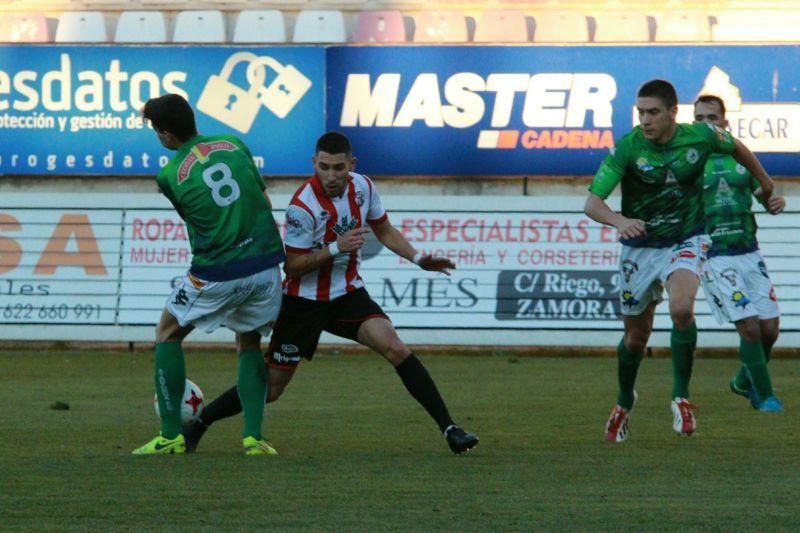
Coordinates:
<point>530,271</point>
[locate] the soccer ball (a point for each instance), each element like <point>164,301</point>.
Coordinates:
<point>192,404</point>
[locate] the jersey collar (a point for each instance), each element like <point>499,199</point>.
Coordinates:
<point>319,191</point>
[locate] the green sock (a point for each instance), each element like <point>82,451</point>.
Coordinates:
<point>743,378</point>
<point>252,387</point>
<point>754,361</point>
<point>627,368</point>
<point>682,344</point>
<point>170,378</point>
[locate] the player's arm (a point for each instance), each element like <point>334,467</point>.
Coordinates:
<point>300,262</point>
<point>605,181</point>
<point>390,237</point>
<point>748,160</point>
<point>597,209</point>
<point>776,203</point>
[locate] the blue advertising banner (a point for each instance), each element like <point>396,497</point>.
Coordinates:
<point>528,110</point>
<point>75,110</point>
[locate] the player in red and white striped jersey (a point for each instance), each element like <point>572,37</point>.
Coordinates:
<point>325,226</point>
<point>314,220</point>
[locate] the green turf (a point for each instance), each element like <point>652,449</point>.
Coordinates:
<point>357,454</point>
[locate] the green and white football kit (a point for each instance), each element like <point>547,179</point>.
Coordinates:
<point>234,279</point>
<point>661,185</point>
<point>735,276</point>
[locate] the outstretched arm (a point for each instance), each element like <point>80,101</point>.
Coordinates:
<point>390,237</point>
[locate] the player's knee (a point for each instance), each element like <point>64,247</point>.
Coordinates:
<point>749,329</point>
<point>248,341</point>
<point>682,314</point>
<point>769,338</point>
<point>769,333</point>
<point>166,335</point>
<point>636,341</point>
<point>396,352</point>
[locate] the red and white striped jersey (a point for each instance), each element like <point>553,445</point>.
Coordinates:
<point>313,220</point>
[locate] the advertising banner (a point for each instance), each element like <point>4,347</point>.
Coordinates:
<point>59,266</point>
<point>526,268</point>
<point>533,110</point>
<point>76,110</point>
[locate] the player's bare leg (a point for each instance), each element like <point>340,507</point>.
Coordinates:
<point>380,335</point>
<point>770,330</point>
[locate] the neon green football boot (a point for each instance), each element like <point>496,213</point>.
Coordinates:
<point>162,446</point>
<point>253,446</point>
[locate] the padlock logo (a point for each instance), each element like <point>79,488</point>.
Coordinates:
<point>229,103</point>
<point>286,89</point>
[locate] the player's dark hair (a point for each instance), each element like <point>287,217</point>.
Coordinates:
<point>661,89</point>
<point>172,113</point>
<point>333,143</point>
<point>711,99</point>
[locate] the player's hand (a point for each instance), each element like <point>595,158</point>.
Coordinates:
<point>631,228</point>
<point>762,197</point>
<point>352,240</point>
<point>436,264</point>
<point>776,205</point>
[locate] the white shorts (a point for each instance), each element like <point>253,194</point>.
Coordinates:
<point>644,271</point>
<point>245,304</point>
<point>738,287</point>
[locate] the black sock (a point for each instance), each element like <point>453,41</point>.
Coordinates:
<point>225,405</point>
<point>423,389</point>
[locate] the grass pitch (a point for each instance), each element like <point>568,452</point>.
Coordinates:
<point>358,454</point>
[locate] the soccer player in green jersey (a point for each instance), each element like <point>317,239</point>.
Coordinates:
<point>735,277</point>
<point>660,167</point>
<point>234,279</point>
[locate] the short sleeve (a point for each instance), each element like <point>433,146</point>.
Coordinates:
<point>720,141</point>
<point>299,230</point>
<point>376,213</point>
<point>610,172</point>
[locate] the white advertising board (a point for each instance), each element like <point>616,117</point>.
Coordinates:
<point>530,270</point>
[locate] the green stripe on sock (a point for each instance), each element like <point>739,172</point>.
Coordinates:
<point>743,377</point>
<point>754,360</point>
<point>170,379</point>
